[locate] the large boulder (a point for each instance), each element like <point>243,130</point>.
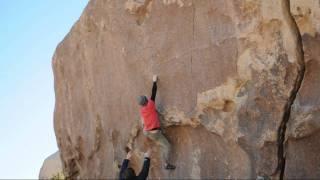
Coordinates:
<point>230,72</point>
<point>51,167</point>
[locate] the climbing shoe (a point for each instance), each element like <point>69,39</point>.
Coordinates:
<point>170,167</point>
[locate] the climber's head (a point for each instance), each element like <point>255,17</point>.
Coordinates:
<point>129,174</point>
<point>142,100</point>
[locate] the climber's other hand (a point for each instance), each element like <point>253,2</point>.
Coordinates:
<point>148,153</point>
<point>129,154</point>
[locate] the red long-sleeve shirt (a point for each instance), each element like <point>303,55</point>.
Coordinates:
<point>149,115</point>
<point>149,112</point>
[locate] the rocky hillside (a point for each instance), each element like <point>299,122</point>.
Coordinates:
<point>238,90</point>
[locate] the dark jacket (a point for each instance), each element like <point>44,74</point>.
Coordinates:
<point>144,172</point>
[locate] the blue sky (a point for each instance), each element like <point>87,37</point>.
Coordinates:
<point>29,33</point>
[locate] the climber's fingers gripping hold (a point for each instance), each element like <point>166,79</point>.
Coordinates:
<point>155,78</point>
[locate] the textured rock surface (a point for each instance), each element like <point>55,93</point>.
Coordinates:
<point>303,145</point>
<point>51,166</point>
<point>229,71</point>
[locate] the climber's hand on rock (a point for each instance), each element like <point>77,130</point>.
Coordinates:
<point>147,154</point>
<point>129,154</point>
<point>155,78</point>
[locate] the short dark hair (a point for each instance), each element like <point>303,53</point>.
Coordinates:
<point>142,100</point>
<point>129,174</point>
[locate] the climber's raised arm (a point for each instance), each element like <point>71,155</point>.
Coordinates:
<point>125,165</point>
<point>154,88</point>
<point>146,165</point>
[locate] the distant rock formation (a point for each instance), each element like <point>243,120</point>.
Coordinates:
<point>52,167</point>
<point>238,91</point>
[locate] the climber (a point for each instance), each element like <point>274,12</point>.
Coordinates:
<point>128,173</point>
<point>151,124</point>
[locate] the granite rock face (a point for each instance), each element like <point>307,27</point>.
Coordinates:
<point>237,95</point>
<point>303,133</point>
